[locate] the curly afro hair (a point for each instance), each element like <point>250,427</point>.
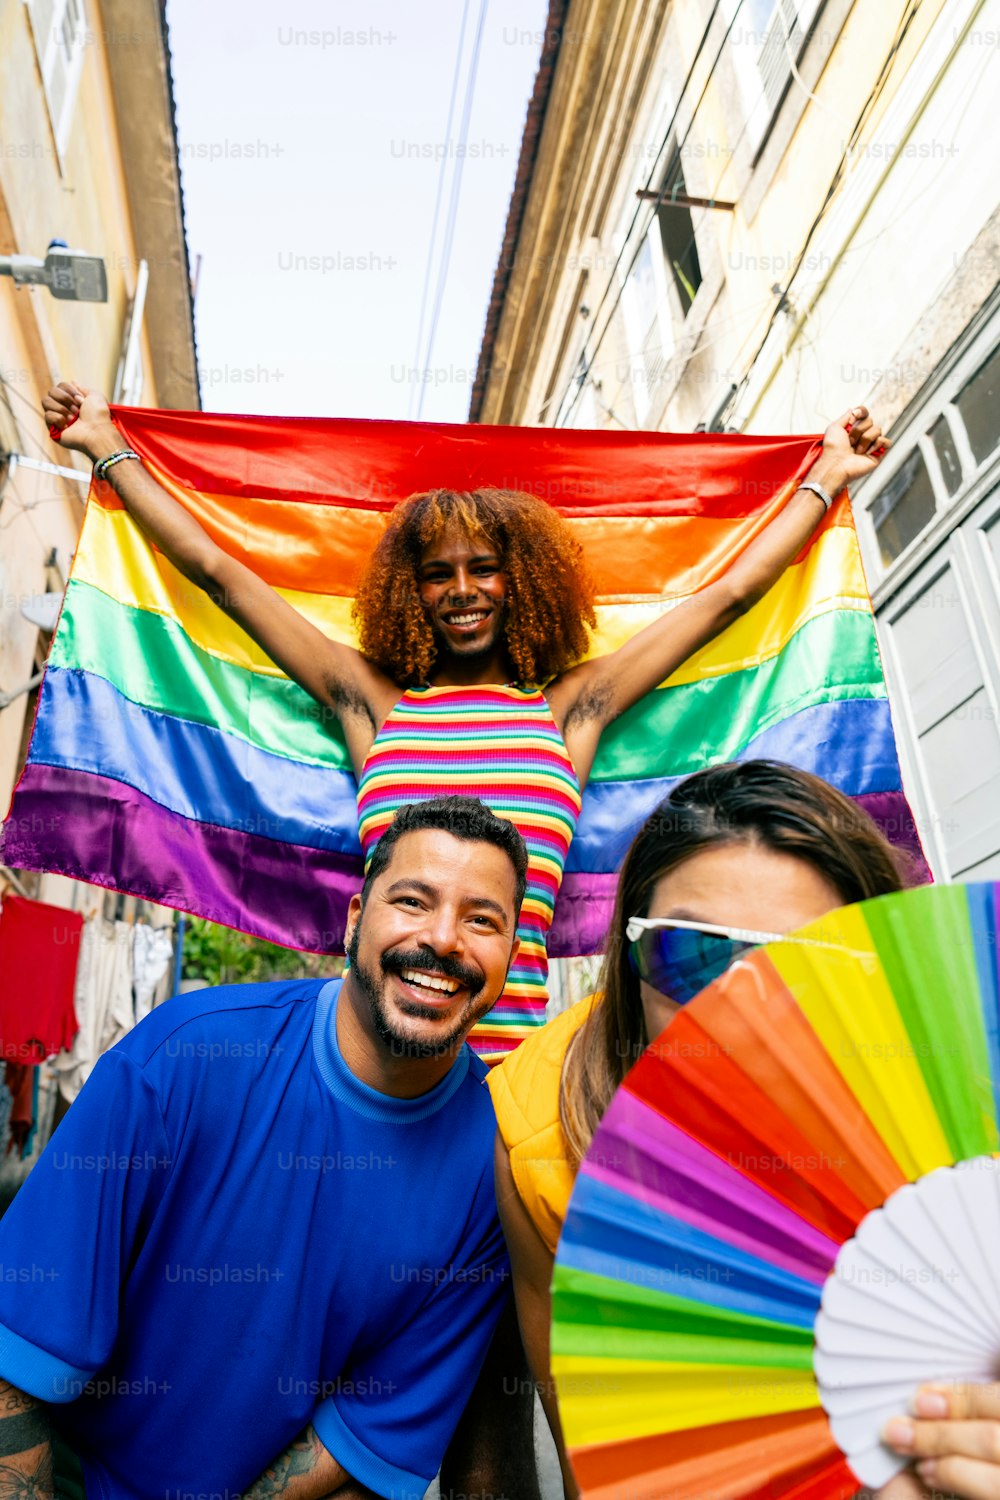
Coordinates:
<point>550,595</point>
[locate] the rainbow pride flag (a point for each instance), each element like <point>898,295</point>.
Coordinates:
<point>172,760</point>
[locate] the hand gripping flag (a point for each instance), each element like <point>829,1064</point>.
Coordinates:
<point>172,760</point>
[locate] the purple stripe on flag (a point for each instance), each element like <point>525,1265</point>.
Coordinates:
<point>83,825</point>
<point>893,815</point>
<point>86,826</point>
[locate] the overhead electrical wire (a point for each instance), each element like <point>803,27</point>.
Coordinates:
<point>906,21</point>
<point>579,377</point>
<point>439,194</point>
<point>705,212</point>
<point>24,438</point>
<point>852,138</point>
<point>453,203</point>
<point>702,345</point>
<point>910,11</point>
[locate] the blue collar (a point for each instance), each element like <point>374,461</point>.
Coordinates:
<point>348,1088</point>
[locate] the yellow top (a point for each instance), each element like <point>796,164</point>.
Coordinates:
<point>525,1090</point>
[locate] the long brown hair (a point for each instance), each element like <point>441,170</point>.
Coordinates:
<point>757,802</point>
<point>550,595</point>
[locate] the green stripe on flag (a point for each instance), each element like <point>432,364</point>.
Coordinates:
<point>677,730</point>
<point>672,731</point>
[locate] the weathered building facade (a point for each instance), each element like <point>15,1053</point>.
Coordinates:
<point>749,215</point>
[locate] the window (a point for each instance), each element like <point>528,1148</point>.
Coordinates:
<point>129,379</point>
<point>645,288</point>
<point>904,508</point>
<point>660,287</point>
<point>943,441</point>
<point>60,35</point>
<point>929,522</point>
<point>962,434</point>
<point>677,242</point>
<point>979,408</point>
<point>766,41</point>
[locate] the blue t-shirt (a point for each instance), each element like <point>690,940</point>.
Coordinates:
<point>230,1235</point>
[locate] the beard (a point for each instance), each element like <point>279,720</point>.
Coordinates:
<point>372,986</point>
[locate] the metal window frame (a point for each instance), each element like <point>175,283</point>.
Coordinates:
<point>46,51</point>
<point>976,578</point>
<point>129,379</point>
<point>661,339</point>
<point>943,545</point>
<point>764,93</point>
<point>936,398</point>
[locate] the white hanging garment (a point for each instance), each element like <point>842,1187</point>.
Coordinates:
<point>105,1009</point>
<point>152,953</point>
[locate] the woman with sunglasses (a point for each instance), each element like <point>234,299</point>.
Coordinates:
<point>735,856</point>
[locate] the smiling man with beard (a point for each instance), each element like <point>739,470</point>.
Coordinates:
<point>267,1226</point>
<point>408,984</point>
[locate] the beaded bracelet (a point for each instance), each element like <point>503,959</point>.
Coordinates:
<point>104,464</point>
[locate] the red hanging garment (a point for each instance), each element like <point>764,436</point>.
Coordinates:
<point>39,949</point>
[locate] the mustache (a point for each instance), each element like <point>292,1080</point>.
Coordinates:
<point>398,959</point>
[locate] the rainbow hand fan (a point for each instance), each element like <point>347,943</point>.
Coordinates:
<point>789,1217</point>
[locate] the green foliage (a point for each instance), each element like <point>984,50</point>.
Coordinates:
<point>218,955</point>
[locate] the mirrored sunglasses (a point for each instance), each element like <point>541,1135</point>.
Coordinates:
<point>678,959</point>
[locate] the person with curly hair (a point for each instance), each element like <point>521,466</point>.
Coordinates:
<point>472,674</point>
<point>545,629</point>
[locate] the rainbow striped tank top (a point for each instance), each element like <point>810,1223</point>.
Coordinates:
<point>500,744</point>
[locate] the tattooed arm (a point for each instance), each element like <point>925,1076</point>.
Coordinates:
<point>25,1450</point>
<point>305,1471</point>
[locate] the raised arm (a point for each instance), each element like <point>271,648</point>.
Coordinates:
<point>531,1262</point>
<point>338,676</point>
<point>589,696</point>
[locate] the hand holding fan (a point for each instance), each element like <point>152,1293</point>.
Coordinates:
<point>789,1218</point>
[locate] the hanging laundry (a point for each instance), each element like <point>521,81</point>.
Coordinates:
<point>105,1009</point>
<point>22,1081</point>
<point>39,950</point>
<point>154,949</point>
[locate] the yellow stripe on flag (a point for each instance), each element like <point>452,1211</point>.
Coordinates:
<point>115,557</point>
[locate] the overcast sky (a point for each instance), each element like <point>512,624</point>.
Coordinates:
<point>310,137</point>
